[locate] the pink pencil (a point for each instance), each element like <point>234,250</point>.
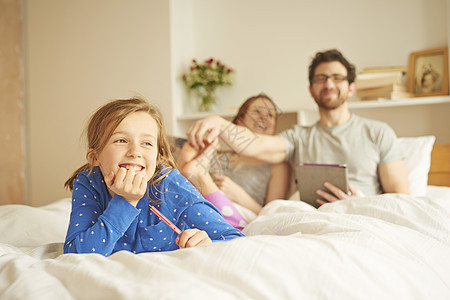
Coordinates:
<point>165,220</point>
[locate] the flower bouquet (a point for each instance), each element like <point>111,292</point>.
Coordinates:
<point>205,77</point>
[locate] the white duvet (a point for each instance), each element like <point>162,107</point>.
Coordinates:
<point>383,247</point>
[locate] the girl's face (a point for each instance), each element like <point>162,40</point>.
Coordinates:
<point>428,81</point>
<point>133,145</point>
<point>260,117</point>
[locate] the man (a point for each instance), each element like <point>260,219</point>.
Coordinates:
<point>368,147</point>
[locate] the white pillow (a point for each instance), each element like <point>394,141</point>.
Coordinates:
<point>417,151</point>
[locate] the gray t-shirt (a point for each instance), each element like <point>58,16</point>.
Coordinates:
<point>362,144</point>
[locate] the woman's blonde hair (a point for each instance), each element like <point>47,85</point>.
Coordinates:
<point>105,120</point>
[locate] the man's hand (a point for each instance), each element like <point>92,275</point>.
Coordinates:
<point>205,130</point>
<point>336,193</point>
<point>128,184</point>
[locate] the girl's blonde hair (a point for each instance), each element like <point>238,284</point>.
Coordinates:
<point>105,120</point>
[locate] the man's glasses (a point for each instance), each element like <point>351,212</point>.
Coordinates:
<point>336,78</point>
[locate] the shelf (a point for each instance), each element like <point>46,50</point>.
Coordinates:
<point>400,102</point>
<point>201,115</point>
<point>230,114</point>
<point>352,105</point>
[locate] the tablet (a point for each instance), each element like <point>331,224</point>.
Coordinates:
<point>311,177</point>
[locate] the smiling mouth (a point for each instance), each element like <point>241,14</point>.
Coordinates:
<point>134,167</point>
<point>261,125</point>
<point>329,91</point>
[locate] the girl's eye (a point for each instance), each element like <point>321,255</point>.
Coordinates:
<point>120,141</point>
<point>148,144</point>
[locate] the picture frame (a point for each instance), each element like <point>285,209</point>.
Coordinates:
<point>428,72</point>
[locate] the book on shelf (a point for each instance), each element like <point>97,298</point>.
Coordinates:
<point>382,82</point>
<point>389,91</point>
<point>386,94</point>
<point>373,80</point>
<point>385,69</point>
<point>401,95</point>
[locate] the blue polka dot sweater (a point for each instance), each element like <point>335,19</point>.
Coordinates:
<point>104,224</point>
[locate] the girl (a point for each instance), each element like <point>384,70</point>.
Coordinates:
<point>242,180</point>
<point>129,167</point>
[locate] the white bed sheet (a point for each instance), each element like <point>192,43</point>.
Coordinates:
<point>383,247</point>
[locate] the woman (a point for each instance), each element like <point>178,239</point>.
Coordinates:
<point>229,176</point>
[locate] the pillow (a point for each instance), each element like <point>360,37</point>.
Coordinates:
<point>417,151</point>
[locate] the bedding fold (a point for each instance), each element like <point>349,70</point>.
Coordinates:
<point>388,246</point>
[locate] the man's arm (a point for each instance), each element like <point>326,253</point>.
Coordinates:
<point>268,148</point>
<point>394,177</point>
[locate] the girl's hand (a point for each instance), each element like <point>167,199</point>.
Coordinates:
<point>233,190</point>
<point>192,238</point>
<point>128,184</point>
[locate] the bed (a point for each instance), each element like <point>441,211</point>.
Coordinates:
<point>389,246</point>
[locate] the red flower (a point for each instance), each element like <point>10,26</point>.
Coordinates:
<point>210,72</point>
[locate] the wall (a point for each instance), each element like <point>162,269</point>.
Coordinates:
<point>80,53</point>
<point>407,121</point>
<point>182,49</point>
<point>270,43</point>
<point>12,139</point>
<point>414,120</point>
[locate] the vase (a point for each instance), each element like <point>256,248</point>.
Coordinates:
<point>207,97</point>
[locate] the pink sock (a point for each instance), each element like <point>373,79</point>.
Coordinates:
<point>227,208</point>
